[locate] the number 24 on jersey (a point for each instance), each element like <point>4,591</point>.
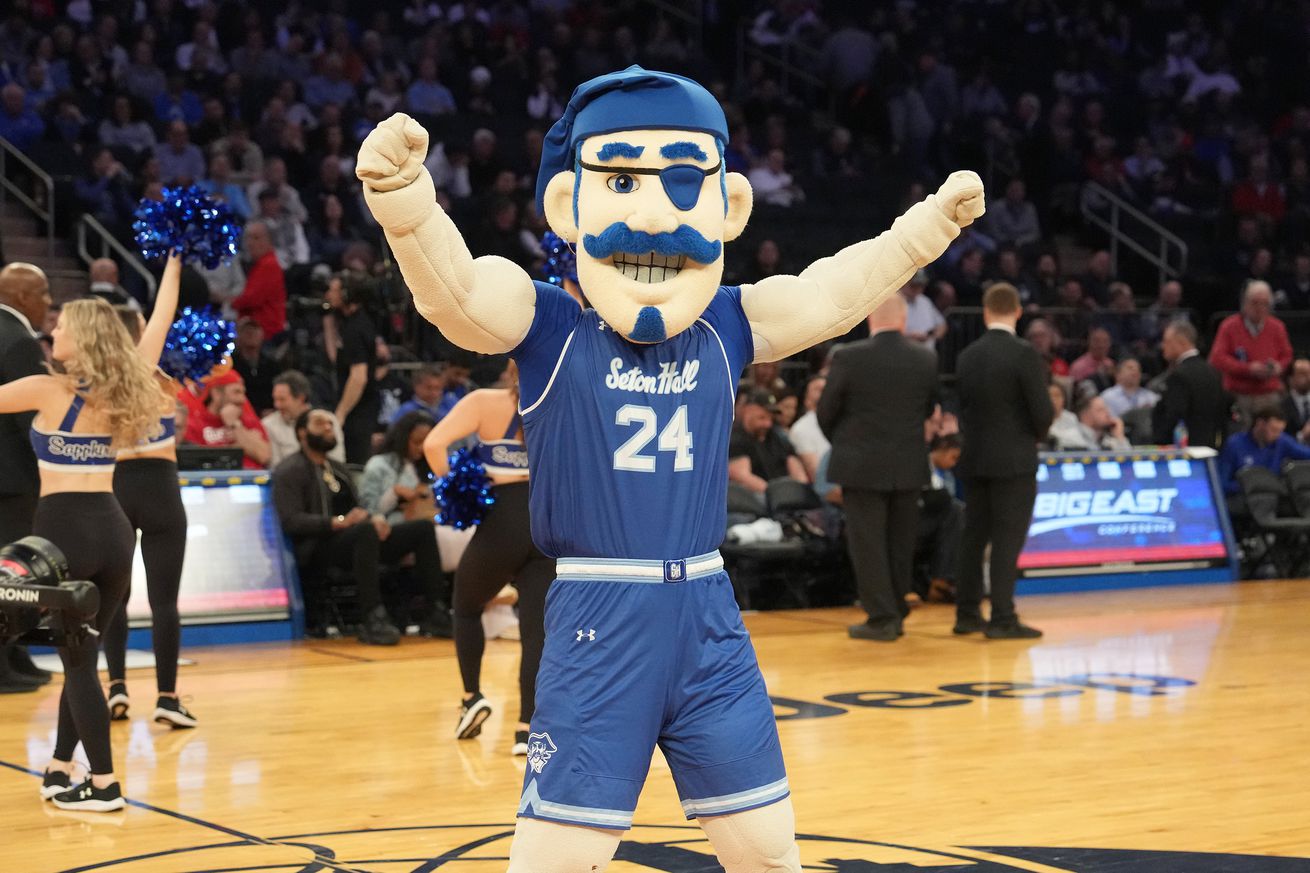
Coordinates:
<point>674,437</point>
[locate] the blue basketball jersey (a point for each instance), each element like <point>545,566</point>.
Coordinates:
<point>628,442</point>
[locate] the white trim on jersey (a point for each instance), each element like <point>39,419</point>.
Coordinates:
<point>634,569</point>
<point>555,372</point>
<point>532,803</point>
<point>742,800</point>
<point>727,365</point>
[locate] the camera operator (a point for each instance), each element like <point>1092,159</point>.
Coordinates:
<point>24,301</point>
<point>104,398</point>
<point>320,511</point>
<point>356,357</point>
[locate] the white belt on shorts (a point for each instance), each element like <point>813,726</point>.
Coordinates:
<point>638,570</point>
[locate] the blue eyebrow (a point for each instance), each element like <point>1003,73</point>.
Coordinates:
<point>675,150</point>
<point>612,150</point>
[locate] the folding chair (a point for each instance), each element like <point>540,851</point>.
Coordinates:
<point>1283,540</point>
<point>1296,476</point>
<point>779,573</point>
<point>787,498</point>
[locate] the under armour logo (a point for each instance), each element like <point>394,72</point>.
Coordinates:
<point>589,635</point>
<point>601,325</point>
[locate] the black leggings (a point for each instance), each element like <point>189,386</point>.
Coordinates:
<point>501,552</point>
<point>147,490</point>
<point>94,534</point>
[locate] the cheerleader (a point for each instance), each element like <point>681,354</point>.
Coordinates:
<point>500,551</point>
<point>145,483</point>
<point>101,397</point>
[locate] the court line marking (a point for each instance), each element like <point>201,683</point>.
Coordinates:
<point>1016,863</point>
<point>698,836</point>
<point>348,656</point>
<point>328,863</point>
<point>957,852</point>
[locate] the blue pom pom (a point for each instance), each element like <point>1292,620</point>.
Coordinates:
<point>196,343</point>
<point>202,230</point>
<point>561,261</point>
<point>465,493</point>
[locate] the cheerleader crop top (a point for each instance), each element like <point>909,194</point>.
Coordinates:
<point>506,456</point>
<point>69,452</point>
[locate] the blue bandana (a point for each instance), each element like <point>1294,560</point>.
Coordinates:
<point>634,99</point>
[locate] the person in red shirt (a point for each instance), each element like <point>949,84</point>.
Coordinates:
<point>1258,196</point>
<point>264,298</point>
<point>1095,363</point>
<point>222,416</point>
<point>1252,351</point>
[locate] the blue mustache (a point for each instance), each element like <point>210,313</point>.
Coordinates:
<point>686,240</point>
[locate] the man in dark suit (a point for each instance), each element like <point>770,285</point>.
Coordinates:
<point>879,392</point>
<point>1296,405</point>
<point>1005,411</point>
<point>24,300</point>
<point>319,510</point>
<point>1193,393</point>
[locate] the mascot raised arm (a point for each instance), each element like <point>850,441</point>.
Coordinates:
<point>626,410</point>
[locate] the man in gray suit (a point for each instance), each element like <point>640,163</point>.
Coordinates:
<point>24,300</point>
<point>879,393</point>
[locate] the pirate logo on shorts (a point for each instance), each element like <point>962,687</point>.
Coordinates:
<point>540,748</point>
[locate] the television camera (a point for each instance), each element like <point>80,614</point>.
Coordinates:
<point>38,603</point>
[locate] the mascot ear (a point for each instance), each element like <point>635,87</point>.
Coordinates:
<point>740,200</point>
<point>559,206</point>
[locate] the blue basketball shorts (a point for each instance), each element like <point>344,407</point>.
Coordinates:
<point>640,654</point>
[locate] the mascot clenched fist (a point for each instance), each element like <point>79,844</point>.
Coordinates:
<point>626,411</point>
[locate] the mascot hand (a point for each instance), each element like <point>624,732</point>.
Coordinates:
<point>392,155</point>
<point>960,197</point>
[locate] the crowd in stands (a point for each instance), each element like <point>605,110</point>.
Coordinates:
<point>1249,399</point>
<point>1199,116</point>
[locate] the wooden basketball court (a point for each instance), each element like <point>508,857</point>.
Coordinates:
<point>1151,730</point>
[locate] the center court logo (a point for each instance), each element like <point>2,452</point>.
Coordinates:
<point>540,749</point>
<point>1119,512</point>
<point>666,848</point>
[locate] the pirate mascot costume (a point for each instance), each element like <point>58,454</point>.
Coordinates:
<point>626,411</point>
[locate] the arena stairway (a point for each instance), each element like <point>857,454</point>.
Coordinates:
<point>22,241</point>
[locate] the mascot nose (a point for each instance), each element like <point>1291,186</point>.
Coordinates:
<point>652,222</point>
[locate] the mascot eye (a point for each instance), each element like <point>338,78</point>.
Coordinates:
<point>623,183</point>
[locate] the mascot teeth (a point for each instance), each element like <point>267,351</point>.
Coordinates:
<point>650,267</point>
